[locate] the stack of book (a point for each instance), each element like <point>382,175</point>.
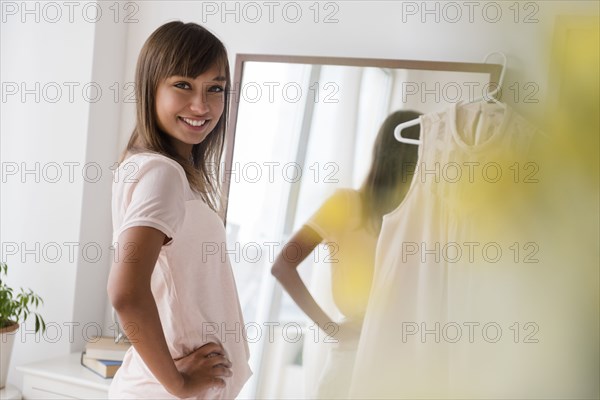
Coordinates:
<point>104,356</point>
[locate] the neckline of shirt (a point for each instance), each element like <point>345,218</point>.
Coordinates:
<point>452,112</point>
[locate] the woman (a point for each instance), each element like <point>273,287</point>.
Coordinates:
<point>349,222</point>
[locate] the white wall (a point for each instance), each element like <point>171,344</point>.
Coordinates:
<point>33,210</point>
<point>49,217</point>
<point>375,29</point>
<point>102,149</point>
<point>83,132</point>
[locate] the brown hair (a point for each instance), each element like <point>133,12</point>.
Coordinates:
<point>391,171</point>
<point>188,50</point>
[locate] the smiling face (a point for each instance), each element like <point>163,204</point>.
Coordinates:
<point>188,109</point>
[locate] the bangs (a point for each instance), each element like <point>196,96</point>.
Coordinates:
<point>192,57</point>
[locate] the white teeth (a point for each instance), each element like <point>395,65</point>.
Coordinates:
<point>194,122</point>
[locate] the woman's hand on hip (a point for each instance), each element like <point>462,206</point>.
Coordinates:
<point>203,371</point>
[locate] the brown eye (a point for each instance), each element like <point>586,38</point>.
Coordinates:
<point>216,89</point>
<point>182,85</point>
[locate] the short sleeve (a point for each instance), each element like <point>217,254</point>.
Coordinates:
<point>334,216</point>
<point>150,192</point>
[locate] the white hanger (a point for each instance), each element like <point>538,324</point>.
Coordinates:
<point>407,124</point>
<point>490,96</point>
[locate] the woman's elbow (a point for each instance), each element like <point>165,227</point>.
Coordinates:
<point>275,270</point>
<point>119,295</point>
<point>278,270</point>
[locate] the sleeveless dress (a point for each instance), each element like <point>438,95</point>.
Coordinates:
<point>440,290</point>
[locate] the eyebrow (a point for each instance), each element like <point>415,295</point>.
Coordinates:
<point>219,78</point>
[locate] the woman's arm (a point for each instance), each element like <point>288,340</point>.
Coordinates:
<point>130,294</point>
<point>286,272</point>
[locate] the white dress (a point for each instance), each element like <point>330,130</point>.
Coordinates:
<point>193,287</point>
<point>440,289</point>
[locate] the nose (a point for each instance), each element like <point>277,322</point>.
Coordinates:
<point>199,104</point>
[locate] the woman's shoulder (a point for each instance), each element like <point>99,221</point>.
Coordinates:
<point>142,161</point>
<point>341,209</point>
<point>348,198</point>
<point>352,193</point>
<point>345,193</point>
<point>153,167</point>
<point>149,157</point>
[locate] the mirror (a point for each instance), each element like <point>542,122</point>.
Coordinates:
<point>303,127</point>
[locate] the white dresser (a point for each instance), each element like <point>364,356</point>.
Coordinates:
<point>62,378</point>
<point>10,392</point>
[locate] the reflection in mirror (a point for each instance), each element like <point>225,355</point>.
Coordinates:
<point>305,127</point>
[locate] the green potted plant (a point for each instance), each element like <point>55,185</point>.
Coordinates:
<point>14,308</point>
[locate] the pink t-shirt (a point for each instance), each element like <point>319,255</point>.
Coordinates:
<point>192,284</point>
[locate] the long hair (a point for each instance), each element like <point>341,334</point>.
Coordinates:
<point>391,170</point>
<point>188,50</point>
